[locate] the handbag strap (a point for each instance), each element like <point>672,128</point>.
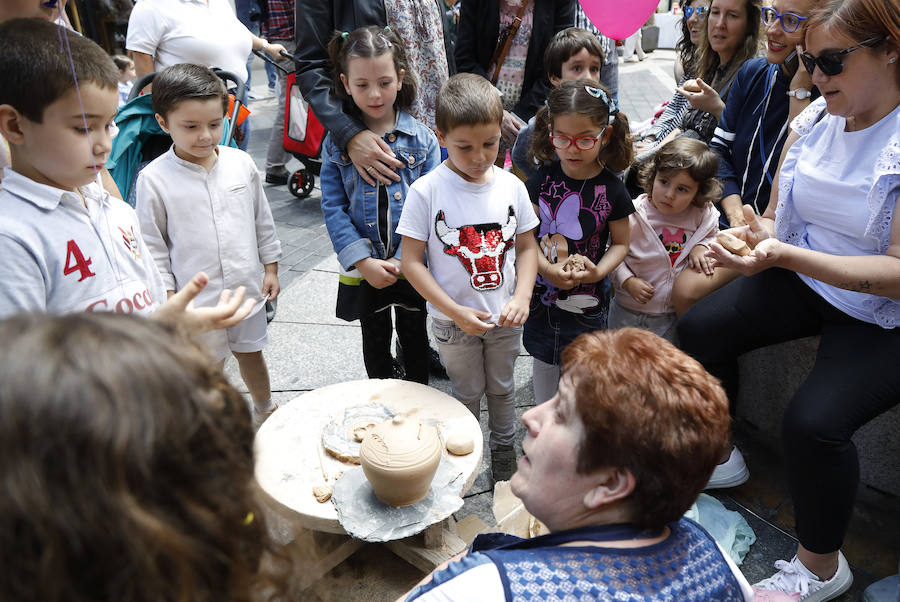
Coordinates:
<point>505,42</point>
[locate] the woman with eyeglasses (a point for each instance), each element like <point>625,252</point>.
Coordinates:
<point>692,25</point>
<point>767,93</point>
<point>825,262</point>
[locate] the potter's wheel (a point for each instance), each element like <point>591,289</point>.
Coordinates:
<point>365,517</point>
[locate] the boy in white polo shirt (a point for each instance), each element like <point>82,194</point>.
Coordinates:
<point>66,244</point>
<point>202,207</point>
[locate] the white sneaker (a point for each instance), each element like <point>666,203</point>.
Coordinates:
<point>793,581</point>
<point>730,473</point>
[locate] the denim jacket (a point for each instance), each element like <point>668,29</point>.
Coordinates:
<point>350,205</point>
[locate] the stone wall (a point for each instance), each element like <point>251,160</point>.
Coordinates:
<point>769,377</point>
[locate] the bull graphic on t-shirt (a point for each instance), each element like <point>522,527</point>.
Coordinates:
<point>481,248</point>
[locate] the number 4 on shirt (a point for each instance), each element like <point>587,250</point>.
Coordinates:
<point>75,262</point>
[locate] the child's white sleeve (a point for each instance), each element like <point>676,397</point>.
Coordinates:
<point>22,279</point>
<point>153,218</point>
<point>524,209</point>
<point>266,235</point>
<point>416,216</point>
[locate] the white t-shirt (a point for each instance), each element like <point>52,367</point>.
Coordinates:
<point>217,221</point>
<point>834,173</point>
<point>61,257</point>
<point>470,231</point>
<point>190,31</point>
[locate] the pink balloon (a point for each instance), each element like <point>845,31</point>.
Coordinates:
<point>616,19</point>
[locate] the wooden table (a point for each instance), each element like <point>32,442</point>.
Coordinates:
<point>290,462</point>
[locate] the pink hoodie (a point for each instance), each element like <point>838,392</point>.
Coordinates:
<point>648,259</point>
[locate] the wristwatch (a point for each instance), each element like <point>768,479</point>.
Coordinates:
<point>800,93</point>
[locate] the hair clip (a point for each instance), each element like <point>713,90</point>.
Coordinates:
<point>344,35</point>
<point>387,28</point>
<point>610,103</point>
<point>248,519</point>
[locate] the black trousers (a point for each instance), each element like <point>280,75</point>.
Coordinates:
<point>855,378</point>
<point>377,330</point>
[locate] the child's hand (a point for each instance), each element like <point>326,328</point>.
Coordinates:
<point>590,274</point>
<point>378,272</point>
<point>270,286</point>
<point>231,308</point>
<point>472,321</point>
<point>396,262</point>
<point>639,289</point>
<point>559,277</point>
<point>699,262</point>
<point>515,312</point>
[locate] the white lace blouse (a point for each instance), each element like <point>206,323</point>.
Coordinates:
<point>837,194</point>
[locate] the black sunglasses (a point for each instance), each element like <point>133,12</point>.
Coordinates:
<point>832,63</point>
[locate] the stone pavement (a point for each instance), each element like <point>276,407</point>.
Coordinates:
<point>310,348</point>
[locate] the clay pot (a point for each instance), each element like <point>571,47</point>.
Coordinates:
<point>399,458</point>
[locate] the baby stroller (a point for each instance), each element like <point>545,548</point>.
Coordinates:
<point>140,139</point>
<point>303,133</point>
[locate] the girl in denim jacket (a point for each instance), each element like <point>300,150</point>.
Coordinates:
<point>376,86</point>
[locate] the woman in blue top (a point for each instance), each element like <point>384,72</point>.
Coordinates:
<point>773,91</point>
<point>376,86</point>
<point>825,262</point>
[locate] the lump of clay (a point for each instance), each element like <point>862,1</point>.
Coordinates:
<point>575,263</point>
<point>322,493</point>
<point>460,444</point>
<point>732,243</point>
<point>361,430</point>
<point>399,458</point>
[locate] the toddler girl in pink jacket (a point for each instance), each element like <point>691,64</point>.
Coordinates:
<point>673,223</point>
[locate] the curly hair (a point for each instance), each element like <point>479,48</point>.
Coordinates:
<point>688,154</point>
<point>707,60</point>
<point>127,468</point>
<point>647,407</point>
<point>370,42</point>
<point>573,97</point>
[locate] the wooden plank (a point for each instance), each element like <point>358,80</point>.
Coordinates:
<point>414,551</point>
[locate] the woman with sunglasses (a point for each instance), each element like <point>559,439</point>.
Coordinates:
<point>834,247</point>
<point>767,93</point>
<point>692,25</point>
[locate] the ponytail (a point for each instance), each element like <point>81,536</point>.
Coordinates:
<point>618,152</point>
<point>541,150</point>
